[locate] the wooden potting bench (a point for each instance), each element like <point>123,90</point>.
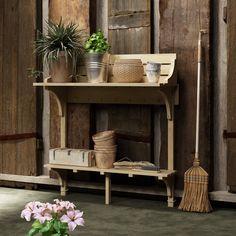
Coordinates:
<point>163,93</point>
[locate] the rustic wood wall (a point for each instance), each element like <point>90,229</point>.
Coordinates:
<point>17,95</point>
<point>78,124</point>
<point>180,23</point>
<point>129,31</point>
<point>231,95</point>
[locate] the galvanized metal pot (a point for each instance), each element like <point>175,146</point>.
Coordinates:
<point>97,67</point>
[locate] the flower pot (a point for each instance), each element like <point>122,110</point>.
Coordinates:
<point>61,69</point>
<point>96,67</point>
<point>105,159</point>
<point>105,147</point>
<point>105,138</point>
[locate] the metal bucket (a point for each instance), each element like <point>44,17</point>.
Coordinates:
<point>153,70</point>
<point>97,67</point>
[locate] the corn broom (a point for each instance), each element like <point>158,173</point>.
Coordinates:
<point>195,195</point>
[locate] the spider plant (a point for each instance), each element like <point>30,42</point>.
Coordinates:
<point>60,38</point>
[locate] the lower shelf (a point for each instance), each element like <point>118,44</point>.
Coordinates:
<point>167,176</point>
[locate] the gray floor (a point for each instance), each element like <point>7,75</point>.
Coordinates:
<point>126,216</point>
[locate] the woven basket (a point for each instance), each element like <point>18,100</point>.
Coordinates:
<point>128,71</point>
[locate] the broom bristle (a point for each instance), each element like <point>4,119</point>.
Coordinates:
<point>195,195</point>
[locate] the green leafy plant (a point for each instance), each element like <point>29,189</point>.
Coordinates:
<point>96,43</point>
<point>33,73</point>
<point>60,38</point>
<point>52,219</point>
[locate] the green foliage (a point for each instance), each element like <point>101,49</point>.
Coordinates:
<point>60,38</point>
<point>32,73</point>
<point>53,227</point>
<point>97,43</point>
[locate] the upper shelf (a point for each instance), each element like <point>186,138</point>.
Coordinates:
<point>163,93</point>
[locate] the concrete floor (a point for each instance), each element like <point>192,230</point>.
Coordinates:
<point>126,216</point>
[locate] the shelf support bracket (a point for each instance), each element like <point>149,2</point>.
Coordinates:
<point>62,177</point>
<point>61,99</point>
<point>169,182</point>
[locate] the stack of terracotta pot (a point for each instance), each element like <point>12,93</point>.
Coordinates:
<point>105,149</point>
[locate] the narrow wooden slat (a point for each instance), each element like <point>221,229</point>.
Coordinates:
<point>179,28</point>
<point>26,105</point>
<point>17,136</point>
<point>162,57</point>
<point>116,7</point>
<point>231,95</point>
<point>128,40</point>
<point>131,20</point>
<point>1,77</point>
<point>160,174</point>
<point>10,74</point>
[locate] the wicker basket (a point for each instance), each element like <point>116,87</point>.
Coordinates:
<point>128,71</point>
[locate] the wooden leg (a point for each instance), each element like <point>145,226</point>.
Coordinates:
<point>62,176</point>
<point>170,190</point>
<point>107,188</point>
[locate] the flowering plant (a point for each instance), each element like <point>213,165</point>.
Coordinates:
<point>52,219</point>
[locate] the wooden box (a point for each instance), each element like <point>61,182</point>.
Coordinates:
<point>68,156</point>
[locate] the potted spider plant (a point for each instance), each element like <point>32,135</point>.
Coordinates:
<point>96,58</point>
<point>60,48</point>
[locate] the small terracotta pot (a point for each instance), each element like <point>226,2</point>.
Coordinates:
<point>105,159</point>
<point>61,70</point>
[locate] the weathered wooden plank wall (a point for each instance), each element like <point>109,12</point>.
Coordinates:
<point>17,96</point>
<point>129,31</point>
<point>78,124</point>
<point>231,95</point>
<point>180,22</point>
<point>1,81</point>
<point>129,26</point>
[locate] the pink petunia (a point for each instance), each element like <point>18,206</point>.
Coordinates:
<point>73,218</point>
<point>43,214</point>
<point>30,209</point>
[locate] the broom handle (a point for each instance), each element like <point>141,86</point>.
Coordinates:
<point>198,94</point>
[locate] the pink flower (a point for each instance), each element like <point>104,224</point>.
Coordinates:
<point>73,218</point>
<point>43,214</point>
<point>64,204</point>
<point>30,208</point>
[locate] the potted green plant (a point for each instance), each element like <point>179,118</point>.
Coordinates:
<point>96,58</point>
<point>60,48</point>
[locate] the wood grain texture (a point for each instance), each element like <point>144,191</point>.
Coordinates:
<point>231,95</point>
<point>76,11</point>
<point>129,32</point>
<point>1,78</point>
<point>179,27</point>
<point>17,106</point>
<point>115,7</point>
<point>26,102</point>
<point>129,23</point>
<point>79,126</point>
<point>10,74</point>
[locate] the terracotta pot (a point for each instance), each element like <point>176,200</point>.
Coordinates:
<point>105,148</point>
<point>105,138</point>
<point>105,159</point>
<point>61,70</point>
